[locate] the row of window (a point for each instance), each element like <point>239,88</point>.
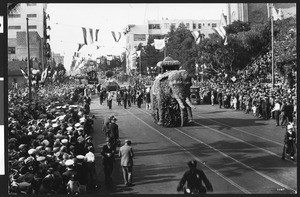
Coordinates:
<point>167,25</point>
<point>19,15</point>
<point>19,27</point>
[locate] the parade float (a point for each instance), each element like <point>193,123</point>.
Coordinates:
<point>170,95</point>
<point>110,83</point>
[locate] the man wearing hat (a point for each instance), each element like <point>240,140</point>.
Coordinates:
<point>70,172</point>
<point>80,167</point>
<point>126,154</point>
<point>289,142</point>
<point>108,158</point>
<point>194,178</point>
<point>114,131</point>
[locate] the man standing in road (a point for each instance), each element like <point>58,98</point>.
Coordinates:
<point>108,159</point>
<point>126,154</point>
<point>194,178</point>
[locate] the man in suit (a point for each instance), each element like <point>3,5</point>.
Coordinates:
<point>126,154</point>
<point>108,161</point>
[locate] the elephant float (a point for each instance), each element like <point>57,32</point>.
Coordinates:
<point>170,98</point>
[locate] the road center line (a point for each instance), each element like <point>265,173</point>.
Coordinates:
<point>194,157</point>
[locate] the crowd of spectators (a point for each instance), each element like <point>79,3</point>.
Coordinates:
<point>50,149</point>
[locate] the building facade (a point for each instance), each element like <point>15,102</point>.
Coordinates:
<point>256,13</point>
<point>37,27</point>
<point>59,59</point>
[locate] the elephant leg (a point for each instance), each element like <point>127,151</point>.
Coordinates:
<point>160,113</point>
<point>190,115</point>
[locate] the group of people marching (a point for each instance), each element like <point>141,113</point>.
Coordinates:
<point>126,97</point>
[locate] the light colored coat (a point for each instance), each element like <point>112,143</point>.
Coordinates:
<point>126,154</point>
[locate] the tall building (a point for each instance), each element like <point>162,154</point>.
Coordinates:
<point>17,27</point>
<point>17,39</point>
<point>257,12</point>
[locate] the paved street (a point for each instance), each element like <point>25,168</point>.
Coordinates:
<point>239,153</point>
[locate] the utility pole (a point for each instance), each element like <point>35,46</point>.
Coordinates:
<point>140,62</point>
<point>28,62</point>
<point>272,36</point>
<point>43,67</point>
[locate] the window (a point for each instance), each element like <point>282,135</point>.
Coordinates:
<point>154,26</point>
<point>31,4</point>
<point>199,25</point>
<point>194,25</point>
<point>31,26</point>
<point>14,27</point>
<point>14,15</point>
<point>139,37</point>
<point>166,25</point>
<point>214,25</point>
<point>208,24</point>
<point>11,50</point>
<point>187,25</point>
<point>31,15</point>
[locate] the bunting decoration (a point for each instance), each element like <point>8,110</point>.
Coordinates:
<point>159,44</point>
<point>197,36</point>
<point>96,35</point>
<point>221,30</point>
<point>84,35</point>
<point>91,38</point>
<point>114,35</point>
<point>277,15</point>
<point>24,74</point>
<point>79,46</point>
<point>44,75</point>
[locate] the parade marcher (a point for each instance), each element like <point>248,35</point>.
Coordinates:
<point>108,158</point>
<point>119,97</point>
<point>139,98</point>
<point>193,178</point>
<point>101,96</point>
<point>126,154</point>
<point>148,98</point>
<point>114,132</point>
<point>109,99</point>
<point>220,98</point>
<point>125,98</point>
<point>289,142</point>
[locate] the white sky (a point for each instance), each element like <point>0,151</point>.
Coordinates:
<point>66,21</point>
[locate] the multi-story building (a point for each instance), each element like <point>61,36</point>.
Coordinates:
<point>257,12</point>
<point>17,38</point>
<point>59,59</point>
<point>17,27</point>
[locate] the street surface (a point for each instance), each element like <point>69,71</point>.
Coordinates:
<point>239,153</point>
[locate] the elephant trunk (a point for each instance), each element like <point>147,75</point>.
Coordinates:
<point>188,102</point>
<point>181,105</point>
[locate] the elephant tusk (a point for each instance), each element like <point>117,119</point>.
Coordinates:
<point>180,102</point>
<point>187,100</point>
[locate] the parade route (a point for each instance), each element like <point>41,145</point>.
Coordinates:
<point>239,153</point>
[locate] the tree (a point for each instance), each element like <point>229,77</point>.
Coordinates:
<point>237,26</point>
<point>13,8</point>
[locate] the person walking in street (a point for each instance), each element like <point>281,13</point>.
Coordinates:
<point>194,178</point>
<point>148,98</point>
<point>126,154</point>
<point>220,98</point>
<point>114,132</point>
<point>125,97</point>
<point>109,99</point>
<point>289,142</point>
<point>108,158</point>
<point>276,111</point>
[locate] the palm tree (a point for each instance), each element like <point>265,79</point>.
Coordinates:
<point>12,8</point>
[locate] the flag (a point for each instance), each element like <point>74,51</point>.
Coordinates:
<point>221,30</point>
<point>79,46</point>
<point>24,74</point>
<point>223,21</point>
<point>91,37</point>
<point>84,35</point>
<point>277,15</point>
<point>96,35</point>
<point>159,43</point>
<point>138,53</point>
<point>197,36</point>
<point>88,36</point>
<point>116,38</point>
<point>54,76</point>
<point>44,75</point>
